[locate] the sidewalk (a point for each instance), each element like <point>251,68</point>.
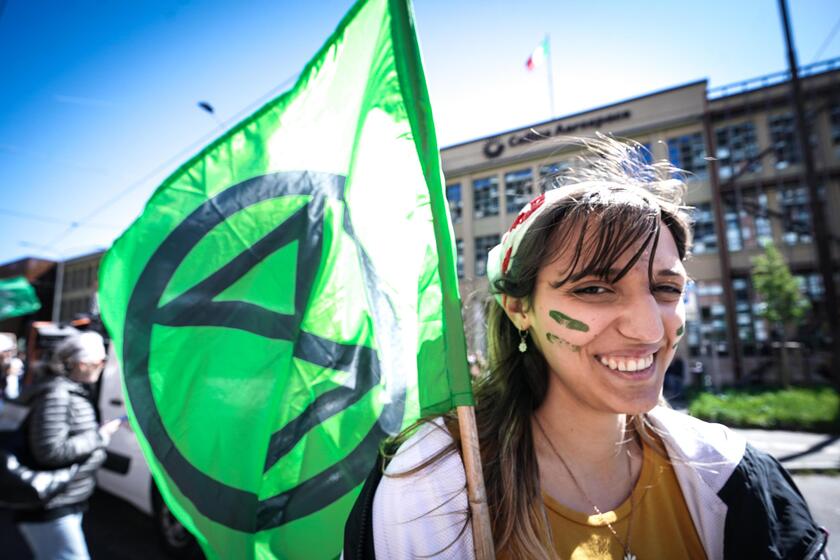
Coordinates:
<point>798,451</point>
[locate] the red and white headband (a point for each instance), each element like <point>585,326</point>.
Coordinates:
<point>502,256</point>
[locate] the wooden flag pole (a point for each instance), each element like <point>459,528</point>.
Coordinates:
<point>477,495</point>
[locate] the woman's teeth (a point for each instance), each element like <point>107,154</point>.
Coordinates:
<point>628,364</point>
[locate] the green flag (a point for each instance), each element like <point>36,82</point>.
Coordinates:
<point>289,297</point>
<point>17,297</point>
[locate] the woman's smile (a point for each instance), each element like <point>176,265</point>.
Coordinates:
<point>636,368</point>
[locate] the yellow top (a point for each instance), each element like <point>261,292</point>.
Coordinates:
<point>661,527</point>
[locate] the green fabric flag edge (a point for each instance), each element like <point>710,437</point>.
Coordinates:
<point>416,93</point>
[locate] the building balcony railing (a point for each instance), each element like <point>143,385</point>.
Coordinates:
<point>773,79</point>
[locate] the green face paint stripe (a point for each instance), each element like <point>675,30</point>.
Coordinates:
<point>674,347</point>
<point>681,330</point>
<point>552,338</point>
<point>568,322</point>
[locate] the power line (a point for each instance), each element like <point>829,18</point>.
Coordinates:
<point>72,251</point>
<point>51,220</point>
<point>247,110</point>
<point>827,41</point>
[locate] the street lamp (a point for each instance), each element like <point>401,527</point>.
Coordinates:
<point>208,108</point>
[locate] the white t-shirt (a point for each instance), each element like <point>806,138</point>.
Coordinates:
<point>405,522</point>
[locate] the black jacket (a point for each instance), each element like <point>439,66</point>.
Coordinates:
<point>767,516</point>
<point>62,430</point>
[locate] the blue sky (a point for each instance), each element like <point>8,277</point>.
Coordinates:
<point>98,99</point>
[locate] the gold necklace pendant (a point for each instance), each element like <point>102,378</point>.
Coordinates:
<point>625,544</point>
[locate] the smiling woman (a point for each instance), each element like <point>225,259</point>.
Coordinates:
<point>582,456</point>
<point>617,316</point>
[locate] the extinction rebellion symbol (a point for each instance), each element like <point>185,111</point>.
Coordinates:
<point>232,507</point>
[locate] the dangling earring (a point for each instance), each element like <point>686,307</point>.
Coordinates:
<point>523,346</point>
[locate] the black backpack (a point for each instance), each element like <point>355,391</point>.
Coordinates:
<point>358,529</point>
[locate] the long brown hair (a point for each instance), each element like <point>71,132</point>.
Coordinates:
<point>614,204</point>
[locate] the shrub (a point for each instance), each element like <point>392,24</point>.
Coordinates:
<point>808,409</point>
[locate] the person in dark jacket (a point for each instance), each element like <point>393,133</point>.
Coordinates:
<point>62,430</point>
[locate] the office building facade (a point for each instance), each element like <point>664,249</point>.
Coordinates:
<point>758,189</point>
<point>79,283</point>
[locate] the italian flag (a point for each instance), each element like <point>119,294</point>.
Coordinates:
<point>538,56</point>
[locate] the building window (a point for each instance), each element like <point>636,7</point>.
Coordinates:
<point>643,154</point>
<point>796,215</point>
<point>747,219</point>
<point>459,257</point>
<point>755,219</point>
<point>647,153</point>
<point>784,140</point>
<point>744,316</point>
<point>73,307</point>
<point>518,189</point>
<point>486,197</point>
<point>705,240</point>
<point>688,152</point>
<point>737,150</point>
<point>551,169</point>
<point>810,283</point>
<point>812,331</point>
<point>834,121</point>
<point>708,336</point>
<point>482,247</point>
<point>456,205</point>
<point>549,174</point>
<point>733,228</point>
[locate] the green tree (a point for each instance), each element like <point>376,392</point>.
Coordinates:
<point>784,304</point>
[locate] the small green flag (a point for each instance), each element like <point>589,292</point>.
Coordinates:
<point>17,297</point>
<point>288,298</point>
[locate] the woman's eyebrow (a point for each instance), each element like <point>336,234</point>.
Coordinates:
<point>608,273</point>
<point>671,272</point>
<point>613,272</point>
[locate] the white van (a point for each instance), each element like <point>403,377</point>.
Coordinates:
<point>126,475</point>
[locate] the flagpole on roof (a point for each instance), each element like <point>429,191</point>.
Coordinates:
<point>547,47</point>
